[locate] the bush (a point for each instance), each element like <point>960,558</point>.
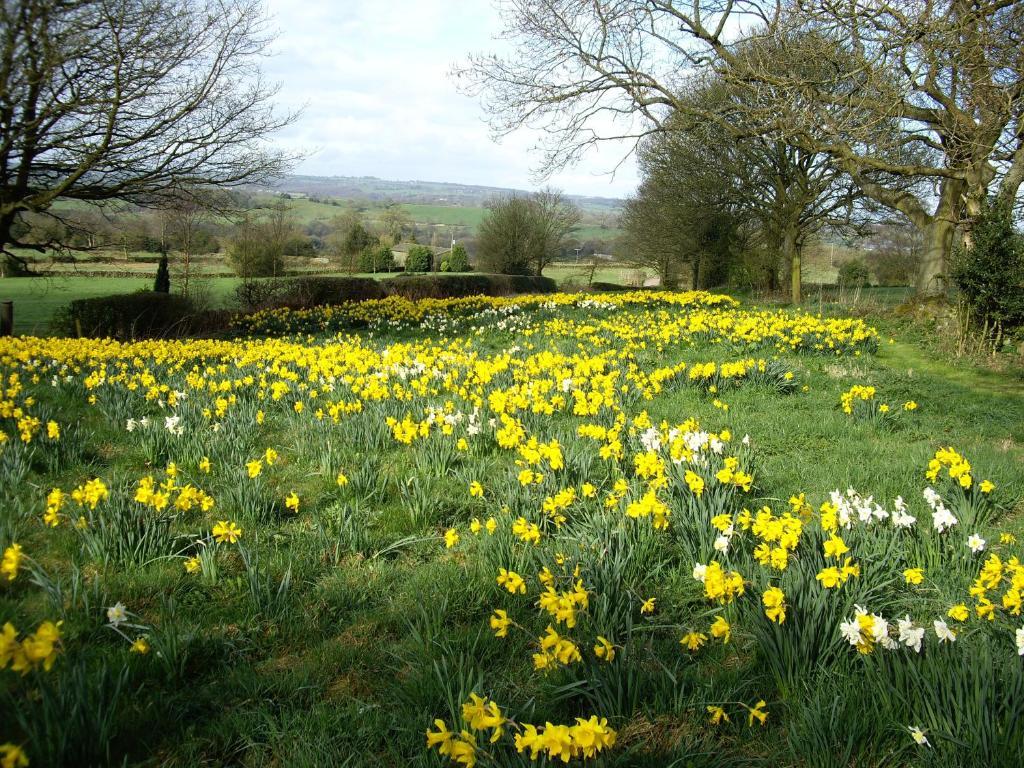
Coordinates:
<point>377,259</point>
<point>441,286</point>
<point>896,255</point>
<point>897,268</point>
<point>990,275</point>
<point>854,274</point>
<point>419,259</point>
<point>457,260</point>
<point>252,294</point>
<point>146,314</point>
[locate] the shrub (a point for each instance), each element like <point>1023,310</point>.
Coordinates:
<point>127,316</point>
<point>457,260</point>
<point>990,275</point>
<point>253,294</point>
<point>420,259</point>
<point>521,235</point>
<point>377,259</point>
<point>854,274</point>
<point>896,255</point>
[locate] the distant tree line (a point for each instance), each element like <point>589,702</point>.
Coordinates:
<point>820,115</point>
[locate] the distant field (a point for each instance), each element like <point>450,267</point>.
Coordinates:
<point>447,215</point>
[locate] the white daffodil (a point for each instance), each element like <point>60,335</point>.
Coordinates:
<point>851,631</point>
<point>910,636</point>
<point>117,613</point>
<point>943,519</point>
<point>918,735</point>
<point>943,632</point>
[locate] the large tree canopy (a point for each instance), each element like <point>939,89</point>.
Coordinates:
<point>133,100</point>
<point>898,90</point>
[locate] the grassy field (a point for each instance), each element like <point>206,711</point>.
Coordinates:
<point>306,211</point>
<point>36,300</point>
<point>408,533</point>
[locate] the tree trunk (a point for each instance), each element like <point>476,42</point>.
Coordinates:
<point>938,242</point>
<point>791,254</point>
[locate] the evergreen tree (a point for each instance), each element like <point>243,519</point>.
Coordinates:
<point>162,284</point>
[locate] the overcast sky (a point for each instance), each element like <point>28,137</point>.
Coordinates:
<point>372,78</point>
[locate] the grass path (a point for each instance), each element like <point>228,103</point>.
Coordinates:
<point>902,355</point>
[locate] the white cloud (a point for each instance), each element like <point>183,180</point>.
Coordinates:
<point>372,80</point>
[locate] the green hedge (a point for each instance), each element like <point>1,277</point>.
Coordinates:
<point>445,286</point>
<point>600,286</point>
<point>456,261</point>
<point>157,315</point>
<point>129,316</point>
<point>305,292</point>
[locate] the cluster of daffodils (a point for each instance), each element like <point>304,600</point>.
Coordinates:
<point>86,496</point>
<point>16,414</point>
<point>38,650</point>
<point>563,606</point>
<point>947,462</point>
<point>995,575</point>
<point>720,586</point>
<point>587,738</point>
<point>866,631</point>
<point>572,452</point>
<point>859,400</point>
<point>778,535</point>
<point>659,319</point>
<point>169,494</point>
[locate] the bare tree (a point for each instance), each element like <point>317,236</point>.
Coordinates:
<point>396,223</point>
<point>556,217</point>
<point>898,89</point>
<point>182,217</point>
<point>131,100</point>
<point>522,235</point>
